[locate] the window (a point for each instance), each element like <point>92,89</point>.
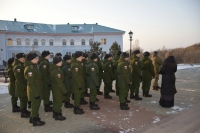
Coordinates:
<point>9,41</point>
<point>19,41</point>
<point>90,41</point>
<point>43,42</point>
<point>51,42</point>
<point>82,41</point>
<point>72,42</point>
<point>103,41</point>
<point>35,42</point>
<point>51,54</point>
<point>68,53</point>
<point>64,42</point>
<point>75,28</point>
<point>27,41</point>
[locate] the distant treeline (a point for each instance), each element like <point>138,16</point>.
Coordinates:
<point>189,54</point>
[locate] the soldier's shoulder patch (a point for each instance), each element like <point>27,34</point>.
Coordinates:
<point>81,64</point>
<point>92,68</point>
<point>18,70</point>
<point>59,75</point>
<point>110,65</point>
<point>30,74</point>
<point>136,63</point>
<point>44,66</point>
<point>69,69</point>
<point>76,69</point>
<point>125,67</point>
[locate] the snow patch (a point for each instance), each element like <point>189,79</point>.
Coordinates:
<point>156,119</point>
<point>171,112</point>
<point>153,102</point>
<point>3,88</point>
<point>186,66</point>
<point>187,89</point>
<point>178,108</point>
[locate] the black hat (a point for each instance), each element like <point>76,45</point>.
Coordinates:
<point>107,56</point>
<point>45,53</point>
<point>58,54</point>
<point>56,59</point>
<point>155,52</point>
<point>20,55</point>
<point>119,53</point>
<point>136,52</point>
<point>78,54</point>
<point>66,57</point>
<point>85,55</point>
<point>10,61</point>
<point>31,56</point>
<point>125,55</point>
<point>146,53</point>
<point>94,56</point>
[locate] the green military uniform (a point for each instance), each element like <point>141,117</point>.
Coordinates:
<point>136,74</point>
<point>34,86</point>
<point>157,62</point>
<point>58,87</point>
<point>44,67</point>
<point>147,74</point>
<point>108,76</point>
<point>100,74</point>
<point>115,63</point>
<point>66,68</point>
<point>77,82</point>
<point>11,87</point>
<point>20,85</point>
<point>92,79</point>
<point>83,64</point>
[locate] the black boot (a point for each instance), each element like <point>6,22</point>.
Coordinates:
<point>77,110</point>
<point>50,102</point>
<point>37,122</point>
<point>107,96</point>
<point>99,92</point>
<point>15,108</point>
<point>83,102</point>
<point>93,106</point>
<point>147,95</point>
<point>117,92</point>
<point>58,116</point>
<point>31,119</point>
<point>132,95</point>
<point>123,106</point>
<point>54,114</point>
<point>25,113</point>
<point>68,105</point>
<point>29,104</point>
<point>137,97</point>
<point>155,88</point>
<point>47,108</point>
<point>127,101</point>
<point>72,96</point>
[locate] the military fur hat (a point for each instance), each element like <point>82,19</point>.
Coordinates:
<point>31,56</point>
<point>78,54</point>
<point>125,55</point>
<point>136,52</point>
<point>85,55</point>
<point>94,56</point>
<point>20,55</point>
<point>107,56</point>
<point>58,54</point>
<point>146,53</point>
<point>155,52</point>
<point>67,57</point>
<point>119,53</point>
<point>45,53</point>
<point>10,60</point>
<point>56,59</point>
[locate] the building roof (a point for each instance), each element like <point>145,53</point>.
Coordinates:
<point>16,26</point>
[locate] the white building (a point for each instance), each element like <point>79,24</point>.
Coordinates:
<point>18,37</point>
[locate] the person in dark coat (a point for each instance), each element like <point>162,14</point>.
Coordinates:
<point>168,88</point>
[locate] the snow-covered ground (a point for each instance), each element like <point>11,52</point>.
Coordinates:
<point>3,88</point>
<point>186,66</point>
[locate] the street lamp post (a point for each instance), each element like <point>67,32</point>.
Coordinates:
<point>130,35</point>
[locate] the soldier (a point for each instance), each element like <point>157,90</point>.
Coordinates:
<point>58,54</point>
<point>108,75</point>
<point>58,87</point>
<point>147,74</point>
<point>34,87</point>
<point>92,71</point>
<point>77,82</point>
<point>157,62</point>
<point>100,74</point>
<point>115,63</point>
<point>136,75</point>
<point>21,84</point>
<point>44,67</point>
<point>11,85</point>
<point>66,68</point>
<point>85,58</point>
<point>124,74</point>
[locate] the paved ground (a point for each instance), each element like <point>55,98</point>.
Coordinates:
<point>144,116</point>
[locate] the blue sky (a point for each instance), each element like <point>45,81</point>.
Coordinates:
<point>155,23</point>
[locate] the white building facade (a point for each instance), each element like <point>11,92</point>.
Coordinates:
<point>16,37</point>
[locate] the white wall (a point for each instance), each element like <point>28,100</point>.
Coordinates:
<point>2,48</point>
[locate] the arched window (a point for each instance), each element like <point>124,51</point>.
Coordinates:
<point>27,41</point>
<point>64,42</point>
<point>51,42</point>
<point>19,41</point>
<point>90,41</point>
<point>71,41</point>
<point>51,54</point>
<point>9,41</point>
<point>35,42</point>
<point>82,41</point>
<point>43,42</point>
